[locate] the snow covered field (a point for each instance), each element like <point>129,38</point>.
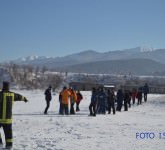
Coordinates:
<point>34,131</point>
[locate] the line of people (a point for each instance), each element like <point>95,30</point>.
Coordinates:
<point>102,101</point>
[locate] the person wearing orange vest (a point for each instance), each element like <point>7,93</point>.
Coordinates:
<point>65,94</point>
<point>7,100</point>
<point>73,99</point>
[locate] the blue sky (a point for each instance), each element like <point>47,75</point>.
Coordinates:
<point>62,27</point>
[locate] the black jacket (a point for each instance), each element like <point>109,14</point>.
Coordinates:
<point>120,96</point>
<point>7,99</point>
<point>48,95</point>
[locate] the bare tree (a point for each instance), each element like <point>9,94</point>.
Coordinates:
<point>37,69</point>
<point>44,69</point>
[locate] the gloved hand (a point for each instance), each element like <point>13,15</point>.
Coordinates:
<point>25,100</point>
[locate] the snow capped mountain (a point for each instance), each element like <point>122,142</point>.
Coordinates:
<point>31,58</point>
<point>146,49</point>
<point>89,56</point>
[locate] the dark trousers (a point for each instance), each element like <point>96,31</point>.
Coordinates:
<point>139,100</point>
<point>77,106</point>
<point>119,106</point>
<point>60,109</point>
<point>125,106</point>
<point>101,108</point>
<point>47,106</point>
<point>8,134</point>
<point>145,97</point>
<point>111,105</point>
<point>72,112</point>
<point>133,100</point>
<point>92,109</point>
<point>65,109</point>
<point>129,103</point>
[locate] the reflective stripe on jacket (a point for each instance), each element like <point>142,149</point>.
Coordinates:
<point>6,103</point>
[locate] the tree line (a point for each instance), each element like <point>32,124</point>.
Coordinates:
<point>32,77</point>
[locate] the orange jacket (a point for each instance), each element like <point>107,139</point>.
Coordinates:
<point>65,96</point>
<point>73,96</point>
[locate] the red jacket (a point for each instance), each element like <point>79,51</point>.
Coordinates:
<point>79,97</point>
<point>134,94</point>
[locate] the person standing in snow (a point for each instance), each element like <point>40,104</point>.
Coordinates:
<point>79,98</point>
<point>102,100</point>
<point>111,100</point>
<point>145,91</point>
<point>129,100</point>
<point>60,101</point>
<point>139,95</point>
<point>65,94</point>
<point>126,100</point>
<point>48,97</point>
<point>7,99</point>
<point>92,106</point>
<point>134,93</point>
<point>73,99</point>
<point>120,97</point>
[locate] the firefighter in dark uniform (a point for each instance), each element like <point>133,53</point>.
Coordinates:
<point>7,99</point>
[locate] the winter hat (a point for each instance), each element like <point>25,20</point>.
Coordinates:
<point>64,88</point>
<point>6,86</point>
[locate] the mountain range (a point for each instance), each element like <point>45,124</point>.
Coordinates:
<point>136,60</point>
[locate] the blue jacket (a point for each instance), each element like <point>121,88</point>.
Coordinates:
<point>94,97</point>
<point>145,89</point>
<point>102,96</point>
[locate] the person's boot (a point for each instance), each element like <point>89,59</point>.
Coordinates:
<point>0,140</point>
<point>114,112</point>
<point>77,108</point>
<point>91,114</point>
<point>9,146</point>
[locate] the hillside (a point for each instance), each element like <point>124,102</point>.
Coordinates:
<point>146,61</point>
<point>134,66</point>
<point>91,56</point>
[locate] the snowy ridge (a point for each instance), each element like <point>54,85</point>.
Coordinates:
<point>91,56</point>
<point>150,58</point>
<point>147,49</point>
<point>32,58</point>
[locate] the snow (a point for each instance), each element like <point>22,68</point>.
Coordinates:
<point>34,131</point>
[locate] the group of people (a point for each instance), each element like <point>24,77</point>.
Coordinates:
<point>102,101</point>
<point>66,97</point>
